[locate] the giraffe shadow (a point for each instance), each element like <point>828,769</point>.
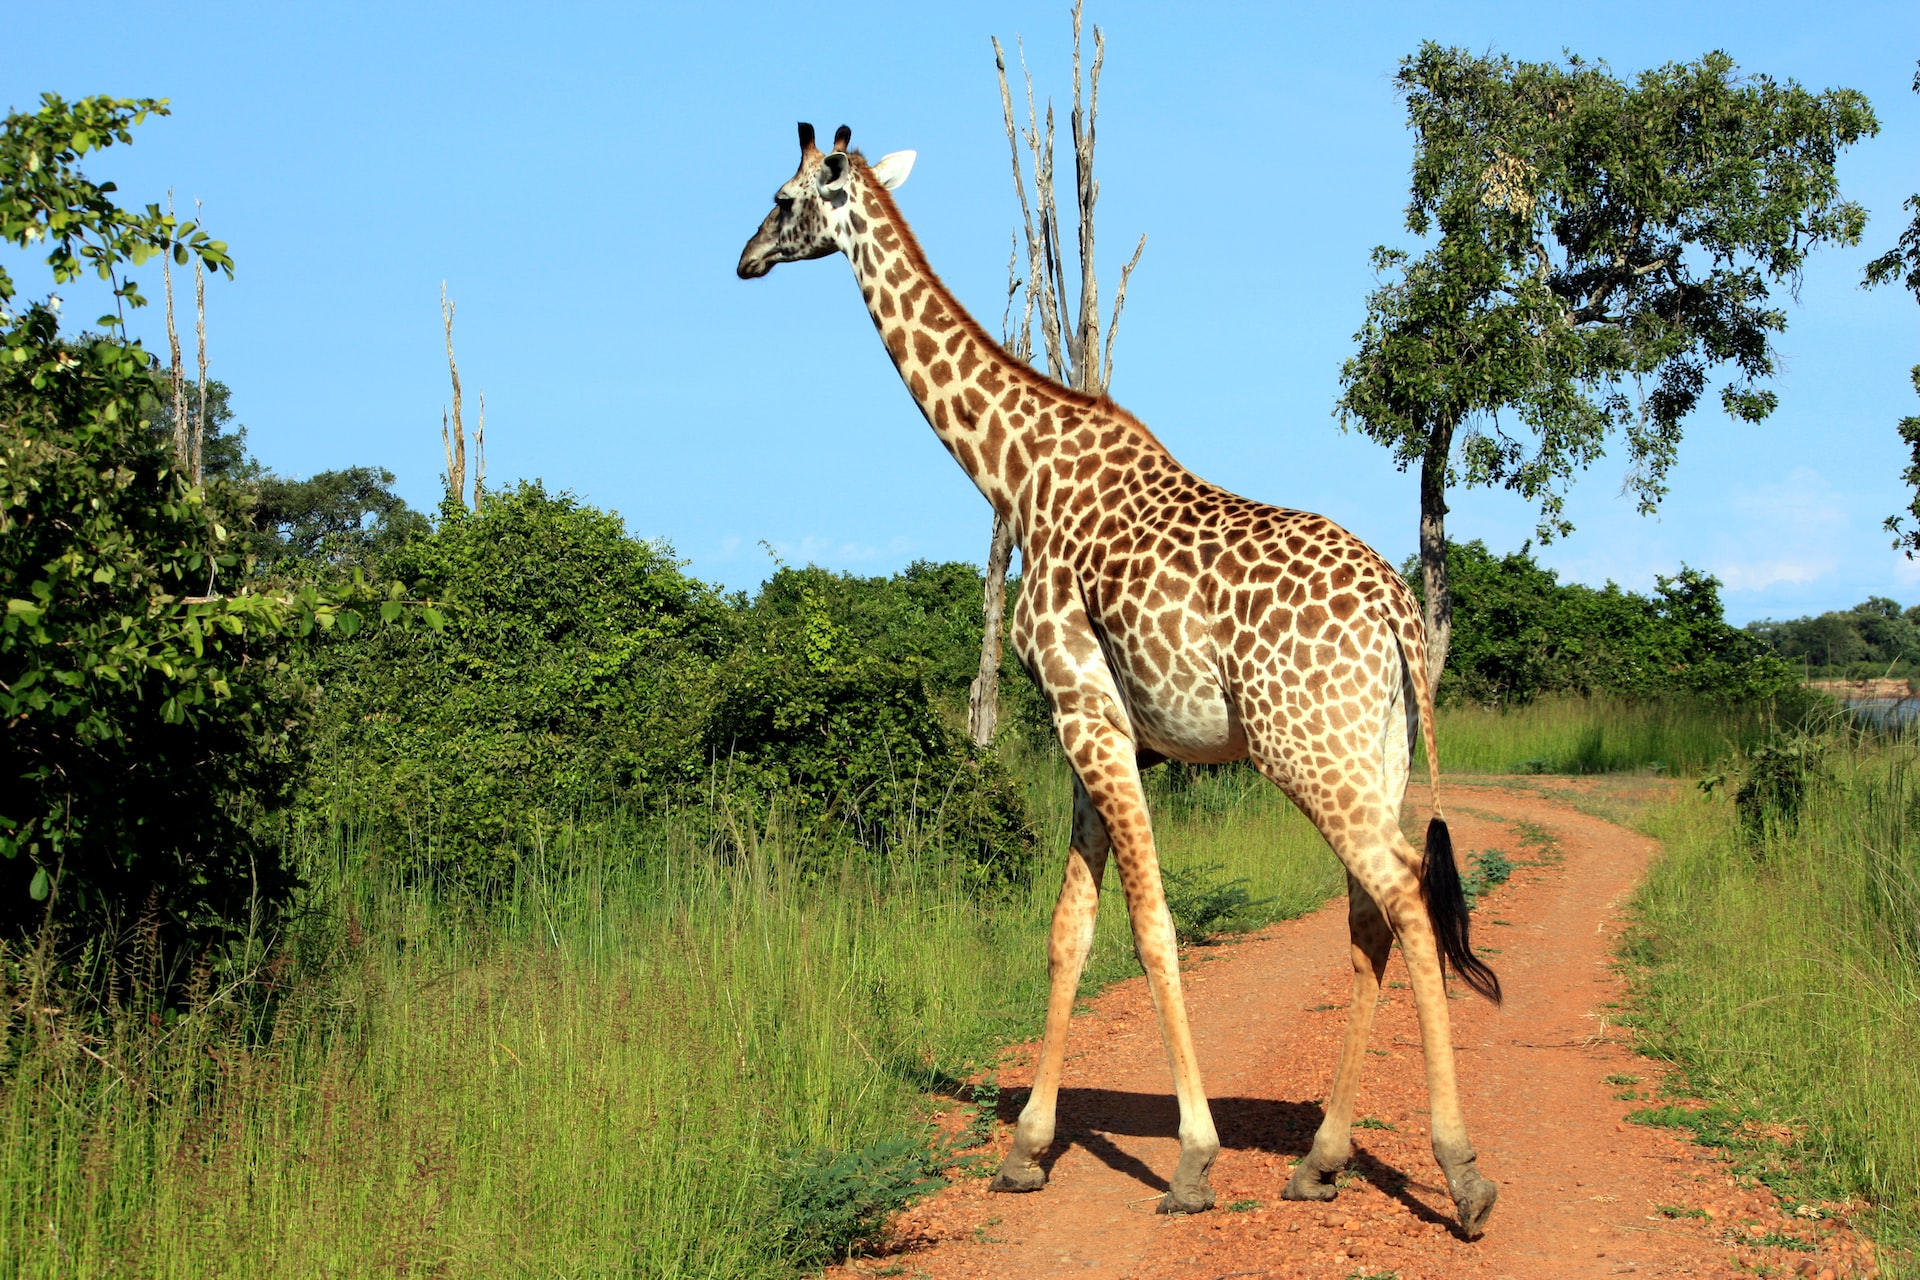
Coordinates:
<point>1091,1118</point>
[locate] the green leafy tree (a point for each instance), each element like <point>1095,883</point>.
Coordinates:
<point>1600,248</point>
<point>1901,265</point>
<point>147,708</point>
<point>334,521</point>
<point>110,671</point>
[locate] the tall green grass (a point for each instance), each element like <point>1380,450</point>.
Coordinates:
<point>1595,735</point>
<point>1782,967</point>
<point>601,1075</point>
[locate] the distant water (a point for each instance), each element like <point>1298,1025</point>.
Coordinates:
<point>1886,713</point>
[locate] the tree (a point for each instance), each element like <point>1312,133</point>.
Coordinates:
<point>335,519</point>
<point>138,705</point>
<point>1601,249</point>
<point>1902,264</point>
<point>147,709</point>
<point>1069,326</point>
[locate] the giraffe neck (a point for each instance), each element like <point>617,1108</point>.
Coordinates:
<point>997,416</point>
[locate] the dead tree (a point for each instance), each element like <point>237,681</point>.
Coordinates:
<point>453,435</point>
<point>1069,325</point>
<point>200,328</point>
<point>177,371</point>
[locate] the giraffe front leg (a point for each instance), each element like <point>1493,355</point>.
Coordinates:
<point>1106,763</point>
<point>1068,942</point>
<point>1313,1178</point>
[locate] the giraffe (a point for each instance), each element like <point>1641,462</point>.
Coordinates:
<point>1165,618</point>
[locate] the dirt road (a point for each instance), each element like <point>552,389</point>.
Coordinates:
<point>1582,1193</point>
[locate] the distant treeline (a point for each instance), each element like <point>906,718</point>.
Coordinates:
<point>1874,638</point>
<point>1520,634</point>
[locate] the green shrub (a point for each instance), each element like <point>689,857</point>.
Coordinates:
<point>582,669</point>
<point>1204,906</point>
<point>834,1205</point>
<point>573,675</point>
<point>1774,781</point>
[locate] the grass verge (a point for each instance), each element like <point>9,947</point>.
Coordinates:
<point>1778,965</point>
<point>650,1059</point>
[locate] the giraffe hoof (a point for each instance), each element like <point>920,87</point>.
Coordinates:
<point>1474,1201</point>
<point>1310,1183</point>
<point>1196,1199</point>
<point>1018,1177</point>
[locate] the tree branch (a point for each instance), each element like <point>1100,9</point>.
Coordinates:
<point>1119,301</point>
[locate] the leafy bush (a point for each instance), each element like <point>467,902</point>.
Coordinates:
<point>1519,634</point>
<point>1776,775</point>
<point>1204,906</point>
<point>846,727</point>
<point>831,1206</point>
<point>582,669</point>
<point>573,674</point>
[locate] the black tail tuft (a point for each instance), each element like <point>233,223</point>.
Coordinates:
<point>1447,909</point>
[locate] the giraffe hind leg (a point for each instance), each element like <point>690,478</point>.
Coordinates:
<point>1314,1177</point>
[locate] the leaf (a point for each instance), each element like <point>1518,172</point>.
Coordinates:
<point>433,618</point>
<point>41,885</point>
<point>391,610</point>
<point>349,622</point>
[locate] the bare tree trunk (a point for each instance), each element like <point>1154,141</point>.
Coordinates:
<point>453,436</point>
<point>983,699</point>
<point>200,328</point>
<point>1433,555</point>
<point>480,453</point>
<point>177,370</point>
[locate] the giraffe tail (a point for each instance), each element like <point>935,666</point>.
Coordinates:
<point>1440,885</point>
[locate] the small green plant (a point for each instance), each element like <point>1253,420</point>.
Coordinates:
<point>1780,1240</point>
<point>1618,1078</point>
<point>833,1205</point>
<point>1774,788</point>
<point>1485,869</point>
<point>1203,905</point>
<point>1243,1206</point>
<point>1373,1275</point>
<point>1680,1211</point>
<point>1369,1122</point>
<point>985,1106</point>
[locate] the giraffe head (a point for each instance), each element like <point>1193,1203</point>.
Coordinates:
<point>811,211</point>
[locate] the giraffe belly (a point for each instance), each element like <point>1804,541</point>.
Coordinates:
<point>1198,724</point>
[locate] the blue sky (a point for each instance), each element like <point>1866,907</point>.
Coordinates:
<point>583,178</point>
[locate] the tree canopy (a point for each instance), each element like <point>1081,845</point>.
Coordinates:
<point>1599,249</point>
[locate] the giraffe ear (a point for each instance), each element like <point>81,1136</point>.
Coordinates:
<point>892,170</point>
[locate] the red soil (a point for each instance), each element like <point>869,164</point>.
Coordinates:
<point>1582,1193</point>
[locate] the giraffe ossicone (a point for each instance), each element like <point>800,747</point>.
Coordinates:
<point>1165,618</point>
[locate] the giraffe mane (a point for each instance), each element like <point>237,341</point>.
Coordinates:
<point>910,245</point>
